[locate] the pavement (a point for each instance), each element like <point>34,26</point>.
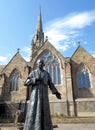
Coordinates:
<point>67,126</point>
<point>74,126</point>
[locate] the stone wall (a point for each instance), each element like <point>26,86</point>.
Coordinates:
<point>81,56</point>
<point>18,63</point>
<point>1,86</point>
<point>58,108</point>
<point>85,107</point>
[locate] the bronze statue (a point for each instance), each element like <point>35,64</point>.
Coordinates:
<point>38,112</point>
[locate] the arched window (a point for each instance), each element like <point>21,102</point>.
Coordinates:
<point>52,65</point>
<point>15,80</point>
<point>83,77</point>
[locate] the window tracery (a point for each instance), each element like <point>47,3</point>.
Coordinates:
<point>83,77</point>
<point>15,80</point>
<point>52,65</point>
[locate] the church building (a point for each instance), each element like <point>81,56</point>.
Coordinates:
<point>74,78</point>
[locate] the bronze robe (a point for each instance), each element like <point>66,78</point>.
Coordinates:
<point>38,112</point>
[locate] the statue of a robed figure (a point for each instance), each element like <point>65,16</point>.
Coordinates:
<point>38,112</point>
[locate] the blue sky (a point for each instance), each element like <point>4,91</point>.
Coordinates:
<point>65,22</point>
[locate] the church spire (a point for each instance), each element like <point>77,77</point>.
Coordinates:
<point>39,36</point>
<point>38,39</point>
<point>39,24</point>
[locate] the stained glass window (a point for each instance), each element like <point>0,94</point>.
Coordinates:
<point>83,77</point>
<point>52,65</point>
<point>14,80</point>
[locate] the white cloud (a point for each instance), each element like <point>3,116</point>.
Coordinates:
<point>85,42</point>
<point>27,58</point>
<point>27,51</point>
<point>93,54</point>
<point>3,60</point>
<point>62,33</point>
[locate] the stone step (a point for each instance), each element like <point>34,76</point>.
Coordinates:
<point>73,120</point>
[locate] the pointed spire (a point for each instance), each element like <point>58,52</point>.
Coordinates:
<point>39,24</point>
<point>38,39</point>
<point>39,36</point>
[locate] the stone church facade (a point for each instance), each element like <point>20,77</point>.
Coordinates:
<point>74,77</point>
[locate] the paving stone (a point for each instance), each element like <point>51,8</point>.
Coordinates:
<point>57,127</point>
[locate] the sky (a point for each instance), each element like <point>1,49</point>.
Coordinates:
<point>65,22</point>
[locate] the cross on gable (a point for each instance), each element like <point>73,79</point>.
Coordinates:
<point>18,50</point>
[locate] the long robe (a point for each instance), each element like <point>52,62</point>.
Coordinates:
<point>38,112</point>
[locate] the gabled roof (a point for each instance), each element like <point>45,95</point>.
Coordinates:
<point>52,48</point>
<point>17,54</point>
<point>82,49</point>
<point>47,46</point>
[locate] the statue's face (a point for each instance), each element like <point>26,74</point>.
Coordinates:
<point>41,64</point>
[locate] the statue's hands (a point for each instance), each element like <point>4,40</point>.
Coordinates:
<point>58,95</point>
<point>28,82</point>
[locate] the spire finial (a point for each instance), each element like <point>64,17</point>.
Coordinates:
<point>78,43</point>
<point>18,50</point>
<point>46,38</point>
<point>40,9</point>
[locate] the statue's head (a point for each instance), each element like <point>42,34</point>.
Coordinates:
<point>40,63</point>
